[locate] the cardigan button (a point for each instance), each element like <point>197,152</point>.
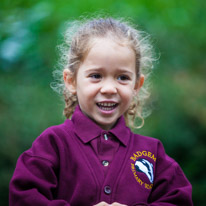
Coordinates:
<point>106,137</point>
<point>105,163</point>
<point>107,190</point>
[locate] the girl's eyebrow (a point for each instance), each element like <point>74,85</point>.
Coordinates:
<point>101,69</point>
<point>125,71</point>
<point>93,69</point>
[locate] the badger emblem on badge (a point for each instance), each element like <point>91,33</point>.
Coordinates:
<point>144,166</point>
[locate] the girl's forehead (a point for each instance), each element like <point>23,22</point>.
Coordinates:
<point>100,43</point>
<point>110,40</point>
<point>110,46</point>
<point>105,53</point>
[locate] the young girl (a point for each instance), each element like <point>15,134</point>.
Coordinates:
<point>94,158</point>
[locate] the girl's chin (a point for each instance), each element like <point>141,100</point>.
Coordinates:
<point>105,125</point>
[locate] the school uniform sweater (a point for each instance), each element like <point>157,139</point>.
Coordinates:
<point>79,164</point>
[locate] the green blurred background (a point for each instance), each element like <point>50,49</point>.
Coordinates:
<point>31,30</point>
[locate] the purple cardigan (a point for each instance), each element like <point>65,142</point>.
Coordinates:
<point>61,168</point>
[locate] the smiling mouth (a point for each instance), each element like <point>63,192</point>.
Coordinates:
<point>107,106</point>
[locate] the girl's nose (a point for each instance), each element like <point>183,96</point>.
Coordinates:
<point>108,87</point>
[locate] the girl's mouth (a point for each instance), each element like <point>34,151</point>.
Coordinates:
<point>107,106</point>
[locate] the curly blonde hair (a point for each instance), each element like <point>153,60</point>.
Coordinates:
<point>78,38</point>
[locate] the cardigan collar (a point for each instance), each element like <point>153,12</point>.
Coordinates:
<point>86,129</point>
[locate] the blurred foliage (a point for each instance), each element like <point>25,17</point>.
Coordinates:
<point>31,30</point>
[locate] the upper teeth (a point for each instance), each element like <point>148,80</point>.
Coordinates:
<point>105,104</point>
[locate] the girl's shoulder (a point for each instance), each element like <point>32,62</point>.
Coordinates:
<point>50,142</point>
<point>54,135</point>
<point>145,140</point>
<point>150,147</point>
<point>57,131</point>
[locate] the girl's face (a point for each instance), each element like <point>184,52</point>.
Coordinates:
<point>105,82</point>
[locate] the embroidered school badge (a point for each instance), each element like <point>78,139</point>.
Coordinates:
<point>142,164</point>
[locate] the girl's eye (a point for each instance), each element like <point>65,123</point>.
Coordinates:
<point>95,76</point>
<point>123,78</point>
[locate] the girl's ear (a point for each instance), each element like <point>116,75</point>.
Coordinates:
<point>69,81</point>
<point>138,84</point>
